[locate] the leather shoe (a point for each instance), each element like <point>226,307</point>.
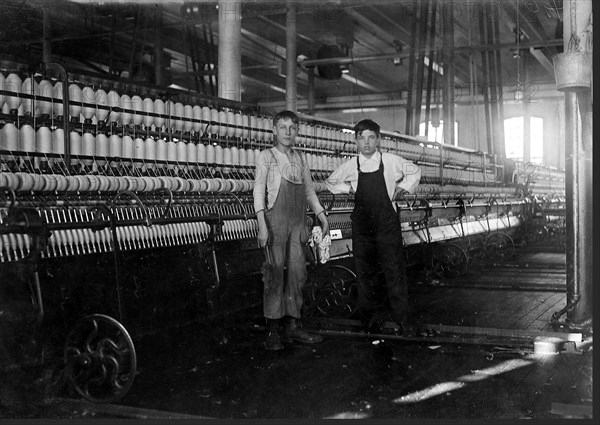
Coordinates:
<point>297,334</point>
<point>292,331</point>
<point>273,341</point>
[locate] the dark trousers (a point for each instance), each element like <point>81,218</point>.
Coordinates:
<point>375,252</point>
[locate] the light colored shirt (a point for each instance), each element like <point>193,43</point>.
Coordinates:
<point>271,166</point>
<point>397,172</point>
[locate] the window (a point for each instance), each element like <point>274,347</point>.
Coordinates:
<point>513,138</point>
<point>437,134</point>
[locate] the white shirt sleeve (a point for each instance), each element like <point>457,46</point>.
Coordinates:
<point>340,179</point>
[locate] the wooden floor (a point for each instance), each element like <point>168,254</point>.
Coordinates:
<point>453,373</point>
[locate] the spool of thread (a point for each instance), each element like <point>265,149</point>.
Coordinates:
<point>102,105</point>
<point>75,143</point>
<point>102,149</point>
<point>137,104</point>
<point>201,149</point>
<point>45,89</point>
<point>88,96</point>
<point>230,123</point>
<point>115,146</point>
<point>114,102</point>
<point>27,140</point>
<point>179,112</point>
<point>214,118</point>
<point>253,127</point>
<point>210,153</point>
<point>219,160</point>
<point>197,115</point>
<point>243,157</point>
<point>57,105</point>
<point>227,159</point>
<point>192,154</point>
<point>13,83</point>
<point>128,148</point>
<point>171,154</point>
<point>238,125</point>
<point>126,115</point>
<point>160,153</point>
<point>222,123</point>
<point>88,148</point>
<point>148,107</point>
<point>250,160</point>
<point>159,108</point>
<point>235,156</point>
<point>138,152</point>
<point>150,152</point>
<point>245,127</point>
<point>43,143</point>
<point>30,87</point>
<point>9,140</point>
<point>268,129</point>
<point>75,96</point>
<point>58,145</point>
<point>2,87</point>
<point>206,117</point>
<point>260,133</point>
<point>188,113</point>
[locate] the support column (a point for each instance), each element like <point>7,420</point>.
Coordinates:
<point>47,35</point>
<point>291,94</point>
<point>230,52</point>
<point>579,173</point>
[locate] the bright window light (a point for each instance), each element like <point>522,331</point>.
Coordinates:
<point>513,138</point>
<point>437,134</point>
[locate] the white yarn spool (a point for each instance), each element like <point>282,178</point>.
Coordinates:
<point>114,101</point>
<point>88,148</point>
<point>127,105</point>
<point>188,113</point>
<point>230,123</point>
<point>268,129</point>
<point>206,117</point>
<point>250,157</point>
<point>148,107</point>
<point>3,87</point>
<point>44,140</point>
<point>75,96</point>
<point>58,143</point>
<point>260,133</point>
<point>150,151</point>
<point>27,139</point>
<point>57,105</point>
<point>102,150</point>
<point>45,89</point>
<point>179,113</point>
<point>30,87</point>
<point>219,155</point>
<point>243,157</point>
<point>115,146</point>
<point>197,115</point>
<point>9,139</point>
<point>171,154</point>
<point>210,153</point>
<point>238,125</point>
<point>192,154</point>
<point>222,123</point>
<point>102,105</point>
<point>88,96</point>
<point>128,148</point>
<point>253,127</point>
<point>137,104</point>
<point>245,125</point>
<point>159,109</point>
<point>201,149</point>
<point>138,151</point>
<point>160,153</point>
<point>214,125</point>
<point>13,83</point>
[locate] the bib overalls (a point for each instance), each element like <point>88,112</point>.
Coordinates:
<point>377,246</point>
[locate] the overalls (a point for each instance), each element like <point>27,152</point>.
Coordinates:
<point>377,245</point>
<point>288,230</point>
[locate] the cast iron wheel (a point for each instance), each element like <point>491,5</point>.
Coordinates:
<point>100,358</point>
<point>499,247</point>
<point>449,260</point>
<point>335,292</point>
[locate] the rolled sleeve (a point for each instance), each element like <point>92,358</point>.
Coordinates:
<point>260,181</point>
<point>337,182</point>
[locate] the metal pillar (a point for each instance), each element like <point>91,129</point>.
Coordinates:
<point>579,171</point>
<point>47,35</point>
<point>291,86</point>
<point>230,52</point>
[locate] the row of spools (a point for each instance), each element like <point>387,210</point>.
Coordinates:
<point>96,106</point>
<point>43,145</point>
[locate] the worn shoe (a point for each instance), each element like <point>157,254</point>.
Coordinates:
<point>273,341</point>
<point>292,331</point>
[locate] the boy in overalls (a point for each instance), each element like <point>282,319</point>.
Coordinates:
<point>284,175</point>
<point>376,179</point>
